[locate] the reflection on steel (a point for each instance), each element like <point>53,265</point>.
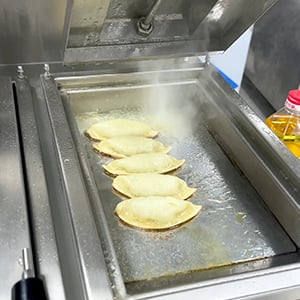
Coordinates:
<point>14,226</point>
<point>217,12</point>
<point>27,35</point>
<point>20,72</point>
<point>28,268</point>
<point>47,71</point>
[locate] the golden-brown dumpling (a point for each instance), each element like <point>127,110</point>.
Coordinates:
<point>152,184</point>
<point>123,146</point>
<point>119,127</point>
<point>144,163</point>
<point>156,213</point>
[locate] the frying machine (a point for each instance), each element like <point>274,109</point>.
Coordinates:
<point>140,60</point>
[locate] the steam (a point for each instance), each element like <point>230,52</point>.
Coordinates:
<point>169,104</point>
<point>171,112</point>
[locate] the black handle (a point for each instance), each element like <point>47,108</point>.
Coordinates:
<point>29,289</point>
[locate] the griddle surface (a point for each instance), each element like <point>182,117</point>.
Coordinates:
<point>234,226</point>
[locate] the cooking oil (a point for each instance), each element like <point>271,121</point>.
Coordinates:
<point>285,123</point>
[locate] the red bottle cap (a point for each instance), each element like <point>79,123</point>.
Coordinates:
<point>293,100</point>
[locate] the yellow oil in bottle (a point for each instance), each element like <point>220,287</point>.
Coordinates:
<point>287,128</point>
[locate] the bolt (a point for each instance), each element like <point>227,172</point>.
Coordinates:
<point>47,71</point>
<point>20,72</point>
<point>144,29</point>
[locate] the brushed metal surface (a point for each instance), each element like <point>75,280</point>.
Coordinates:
<point>33,31</point>
<point>136,52</point>
<point>273,53</point>
<point>79,246</point>
<point>87,16</point>
<point>216,93</point>
<point>46,254</point>
<point>204,25</point>
<point>14,226</point>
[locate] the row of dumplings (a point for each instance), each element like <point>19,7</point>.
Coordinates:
<point>155,198</point>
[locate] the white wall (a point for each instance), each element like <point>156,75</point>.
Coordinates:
<point>232,61</point>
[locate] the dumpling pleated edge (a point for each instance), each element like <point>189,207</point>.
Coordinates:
<point>115,171</point>
<point>188,215</point>
<point>125,185</point>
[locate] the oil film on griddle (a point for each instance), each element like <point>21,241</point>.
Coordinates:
<point>151,72</point>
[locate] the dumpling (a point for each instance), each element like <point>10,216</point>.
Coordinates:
<point>144,163</point>
<point>119,127</point>
<point>156,213</point>
<point>152,184</point>
<point>123,146</point>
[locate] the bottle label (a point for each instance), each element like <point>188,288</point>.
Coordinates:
<point>292,106</point>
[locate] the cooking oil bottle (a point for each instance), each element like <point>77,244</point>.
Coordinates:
<point>285,123</point>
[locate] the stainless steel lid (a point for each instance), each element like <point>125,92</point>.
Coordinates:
<point>111,30</point>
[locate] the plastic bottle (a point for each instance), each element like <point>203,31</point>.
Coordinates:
<point>285,123</point>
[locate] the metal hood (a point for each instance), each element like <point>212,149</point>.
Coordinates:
<point>110,30</point>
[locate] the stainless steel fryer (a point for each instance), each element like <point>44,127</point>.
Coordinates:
<point>232,159</point>
<point>139,59</point>
<point>234,227</point>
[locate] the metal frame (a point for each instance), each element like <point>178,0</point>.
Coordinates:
<point>79,245</point>
<point>44,243</point>
<point>14,222</point>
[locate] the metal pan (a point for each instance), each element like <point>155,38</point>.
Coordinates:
<point>236,226</point>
